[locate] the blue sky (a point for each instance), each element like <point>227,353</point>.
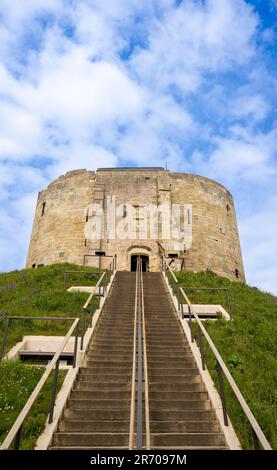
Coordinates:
<point>93,83</point>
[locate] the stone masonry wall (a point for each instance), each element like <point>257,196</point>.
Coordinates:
<point>58,235</point>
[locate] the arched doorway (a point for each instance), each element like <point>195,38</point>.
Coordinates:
<point>144,262</point>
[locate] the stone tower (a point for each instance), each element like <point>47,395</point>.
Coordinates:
<point>67,211</point>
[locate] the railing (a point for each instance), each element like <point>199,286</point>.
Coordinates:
<point>101,257</point>
<point>88,306</point>
<point>16,430</point>
<point>101,290</point>
<point>140,371</point>
<point>9,319</point>
<point>213,289</point>
<point>134,372</point>
<point>145,369</point>
<point>259,438</point>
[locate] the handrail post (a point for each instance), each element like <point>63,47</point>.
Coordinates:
<point>229,303</point>
<point>18,438</point>
<point>83,329</point>
<point>255,440</point>
<point>190,324</point>
<point>54,392</point>
<point>182,311</point>
<point>201,347</point>
<point>91,313</point>
<point>4,338</point>
<point>222,394</point>
<point>75,346</point>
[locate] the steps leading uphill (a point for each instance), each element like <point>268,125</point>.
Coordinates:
<point>181,415</point>
<point>97,414</point>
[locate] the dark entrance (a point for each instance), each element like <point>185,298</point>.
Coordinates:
<point>144,259</point>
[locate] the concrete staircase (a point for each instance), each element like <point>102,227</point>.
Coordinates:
<point>97,415</point>
<point>181,415</point>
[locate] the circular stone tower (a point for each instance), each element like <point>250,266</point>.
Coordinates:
<point>195,221</point>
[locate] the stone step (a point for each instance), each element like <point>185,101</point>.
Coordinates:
<point>114,339</point>
<point>176,387</point>
<point>107,377</point>
<point>165,343</point>
<point>112,344</point>
<point>72,425</point>
<point>96,414</point>
<point>187,439</point>
<point>178,405</point>
<point>101,394</point>
<point>109,350</point>
<point>91,439</point>
<point>114,361</point>
<point>185,426</point>
<point>177,395</point>
<point>106,346</point>
<point>173,349</point>
<point>185,370</point>
<point>115,356</point>
<point>91,404</point>
<point>176,379</point>
<point>171,355</point>
<point>180,367</point>
<point>182,415</point>
<point>91,385</point>
<point>119,370</point>
<point>112,327</point>
<point>169,360</point>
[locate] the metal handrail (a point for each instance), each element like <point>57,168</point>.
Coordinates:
<point>88,302</point>
<point>133,388</point>
<point>214,289</point>
<point>139,437</point>
<point>9,318</point>
<point>101,256</point>
<point>15,431</point>
<point>145,369</point>
<point>257,432</point>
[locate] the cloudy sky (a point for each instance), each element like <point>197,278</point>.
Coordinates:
<point>90,83</point>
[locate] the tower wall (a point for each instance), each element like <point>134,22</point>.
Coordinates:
<point>59,234</point>
<point>58,228</point>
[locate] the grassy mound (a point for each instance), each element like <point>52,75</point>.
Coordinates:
<point>247,344</point>
<point>41,292</point>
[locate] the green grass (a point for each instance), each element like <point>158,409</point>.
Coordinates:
<point>248,345</point>
<point>17,383</point>
<point>41,292</point>
<point>35,292</point>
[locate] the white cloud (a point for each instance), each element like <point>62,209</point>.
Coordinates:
<point>249,105</point>
<point>197,37</point>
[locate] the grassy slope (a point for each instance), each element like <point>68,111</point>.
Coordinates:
<point>38,292</point>
<point>248,345</point>
<point>17,383</point>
